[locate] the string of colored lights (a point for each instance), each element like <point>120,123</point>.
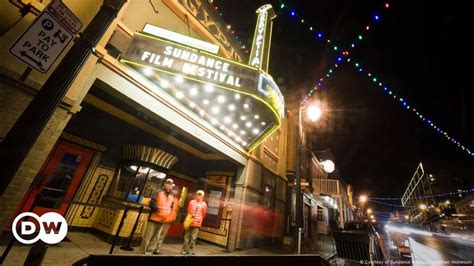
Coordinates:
<point>389,204</point>
<point>321,36</point>
<point>343,58</point>
<point>243,47</point>
<point>433,196</point>
<point>404,103</point>
<point>390,212</point>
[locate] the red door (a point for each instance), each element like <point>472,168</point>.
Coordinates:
<point>176,229</point>
<point>58,179</point>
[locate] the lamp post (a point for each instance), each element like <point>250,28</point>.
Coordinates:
<point>362,200</point>
<point>314,113</point>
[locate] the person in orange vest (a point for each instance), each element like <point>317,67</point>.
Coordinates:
<point>198,208</point>
<point>164,207</point>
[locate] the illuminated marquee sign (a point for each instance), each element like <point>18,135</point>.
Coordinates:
<point>260,53</point>
<point>181,60</point>
<point>239,100</point>
<point>180,38</point>
<point>255,61</point>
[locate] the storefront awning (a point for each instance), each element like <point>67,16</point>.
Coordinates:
<point>236,99</point>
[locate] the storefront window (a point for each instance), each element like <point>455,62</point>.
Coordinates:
<point>137,182</point>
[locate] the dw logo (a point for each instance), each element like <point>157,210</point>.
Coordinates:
<point>52,228</point>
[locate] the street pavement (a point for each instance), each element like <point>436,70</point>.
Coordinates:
<point>438,249</point>
<point>81,245</point>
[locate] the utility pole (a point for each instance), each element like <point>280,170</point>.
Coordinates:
<point>24,133</point>
<point>298,205</point>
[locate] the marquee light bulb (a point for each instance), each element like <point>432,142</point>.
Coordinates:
<point>221,98</point>
<point>209,88</point>
<point>164,83</point>
<point>147,71</point>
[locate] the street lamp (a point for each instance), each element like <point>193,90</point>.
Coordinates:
<point>328,166</point>
<point>362,199</point>
<point>423,207</point>
<point>314,113</point>
<point>369,211</point>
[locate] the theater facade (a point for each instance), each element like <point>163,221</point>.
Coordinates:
<point>168,93</point>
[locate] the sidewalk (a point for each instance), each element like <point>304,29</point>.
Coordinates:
<point>81,245</point>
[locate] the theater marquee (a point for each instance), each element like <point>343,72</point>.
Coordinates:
<point>239,100</point>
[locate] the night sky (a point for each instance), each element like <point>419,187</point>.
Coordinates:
<point>420,49</point>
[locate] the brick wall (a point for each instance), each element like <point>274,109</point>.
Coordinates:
<point>13,100</point>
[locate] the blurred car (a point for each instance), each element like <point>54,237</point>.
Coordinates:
<point>402,244</point>
<point>360,226</point>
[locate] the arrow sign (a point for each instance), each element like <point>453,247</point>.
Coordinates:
<point>42,43</point>
<point>23,53</point>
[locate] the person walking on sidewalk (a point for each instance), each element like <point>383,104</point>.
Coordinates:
<point>164,207</point>
<point>197,208</point>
